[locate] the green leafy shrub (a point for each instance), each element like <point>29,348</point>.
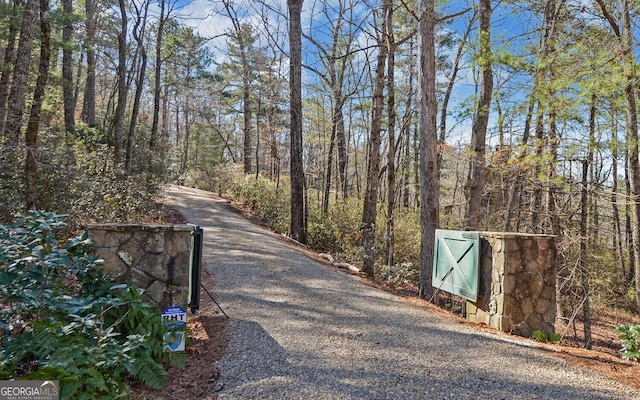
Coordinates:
<point>629,335</point>
<point>217,178</point>
<point>267,198</point>
<point>399,275</point>
<point>106,193</point>
<point>63,319</point>
<point>78,180</point>
<point>407,238</point>
<point>337,231</point>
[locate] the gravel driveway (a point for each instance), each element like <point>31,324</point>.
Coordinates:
<point>302,330</point>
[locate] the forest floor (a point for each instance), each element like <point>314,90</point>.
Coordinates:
<point>208,341</point>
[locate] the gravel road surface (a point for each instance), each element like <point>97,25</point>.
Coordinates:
<point>302,330</point>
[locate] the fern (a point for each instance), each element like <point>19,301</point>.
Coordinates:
<point>150,372</point>
<point>175,359</point>
<point>555,338</point>
<point>539,335</point>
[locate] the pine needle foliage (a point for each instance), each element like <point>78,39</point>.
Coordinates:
<point>61,318</point>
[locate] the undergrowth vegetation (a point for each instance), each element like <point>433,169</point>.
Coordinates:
<point>79,180</point>
<point>61,318</point>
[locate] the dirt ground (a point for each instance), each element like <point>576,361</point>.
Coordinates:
<point>208,342</point>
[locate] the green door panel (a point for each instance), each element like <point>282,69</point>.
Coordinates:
<point>455,263</point>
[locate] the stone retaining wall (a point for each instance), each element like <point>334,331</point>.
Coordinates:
<point>155,257</point>
<point>517,288</point>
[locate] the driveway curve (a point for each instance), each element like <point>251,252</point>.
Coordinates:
<point>302,330</point>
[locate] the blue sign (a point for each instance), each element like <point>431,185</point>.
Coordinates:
<point>175,322</point>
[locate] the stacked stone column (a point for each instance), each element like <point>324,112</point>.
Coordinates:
<point>154,257</point>
<point>517,288</point>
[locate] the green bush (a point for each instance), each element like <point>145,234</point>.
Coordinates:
<point>63,319</point>
<point>407,238</point>
<point>337,231</point>
<point>104,193</point>
<point>218,178</point>
<point>78,181</point>
<point>399,275</point>
<point>630,337</point>
<point>269,200</point>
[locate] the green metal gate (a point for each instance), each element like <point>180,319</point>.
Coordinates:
<point>455,263</point>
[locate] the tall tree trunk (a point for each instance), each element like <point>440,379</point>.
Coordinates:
<point>246,84</point>
<point>429,182</point>
<point>67,69</point>
<point>536,206</point>
<point>553,14</point>
<point>370,207</point>
<point>186,109</point>
<point>476,177</point>
<point>138,34</point>
<point>89,102</point>
<point>617,226</point>
<point>297,224</point>
<point>342,149</point>
<point>257,151</point>
<point>584,227</point>
<point>405,132</point>
<point>246,106</point>
<point>327,183</point>
<point>391,151</point>
<point>157,88</point>
<point>552,209</point>
<point>79,73</point>
<point>118,118</point>
<point>31,134</point>
<point>337,141</point>
<point>164,127</point>
<point>179,139</point>
<point>273,151</point>
<point>586,309</point>
<point>7,63</point>
<point>628,225</point>
<point>416,140</point>
<point>16,100</point>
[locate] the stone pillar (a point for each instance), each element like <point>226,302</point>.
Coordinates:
<point>517,288</point>
<point>155,257</point>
